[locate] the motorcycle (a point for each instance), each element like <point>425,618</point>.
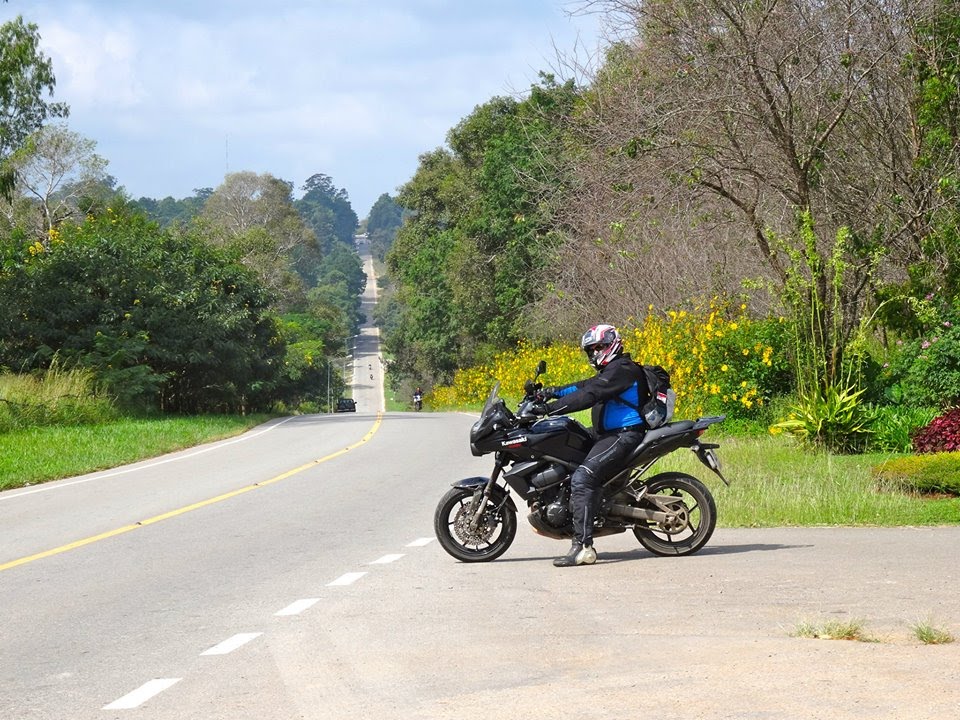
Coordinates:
<point>671,513</point>
<point>418,401</point>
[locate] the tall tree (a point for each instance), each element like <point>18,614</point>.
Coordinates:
<point>25,75</point>
<point>385,218</point>
<point>255,217</point>
<point>327,211</point>
<point>790,120</point>
<point>59,171</point>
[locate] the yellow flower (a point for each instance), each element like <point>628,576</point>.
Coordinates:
<point>723,368</point>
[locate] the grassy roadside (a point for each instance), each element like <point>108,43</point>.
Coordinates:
<point>773,483</point>
<point>39,454</point>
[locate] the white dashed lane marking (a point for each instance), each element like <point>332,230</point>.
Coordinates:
<point>141,694</point>
<point>346,579</point>
<point>231,644</point>
<point>155,687</point>
<point>420,542</point>
<point>298,607</point>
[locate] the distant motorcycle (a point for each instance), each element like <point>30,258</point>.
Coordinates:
<point>671,513</point>
<point>418,401</point>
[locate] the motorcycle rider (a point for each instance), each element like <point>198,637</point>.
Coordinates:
<point>615,393</point>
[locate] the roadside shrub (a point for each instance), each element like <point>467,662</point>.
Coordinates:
<point>893,427</point>
<point>926,372</point>
<point>719,360</point>
<point>834,418</point>
<point>941,435</point>
<point>55,397</point>
<point>937,473</point>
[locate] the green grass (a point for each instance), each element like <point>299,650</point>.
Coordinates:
<point>39,454</point>
<point>774,483</point>
<point>833,630</point>
<point>930,635</point>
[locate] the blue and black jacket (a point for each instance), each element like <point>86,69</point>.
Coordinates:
<point>615,393</point>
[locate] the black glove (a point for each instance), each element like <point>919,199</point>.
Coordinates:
<point>538,408</point>
<point>549,392</point>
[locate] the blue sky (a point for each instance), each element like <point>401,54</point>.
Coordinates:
<point>178,93</point>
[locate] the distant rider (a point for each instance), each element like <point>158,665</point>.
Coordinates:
<point>615,393</point>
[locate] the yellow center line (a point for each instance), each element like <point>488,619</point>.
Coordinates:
<point>194,506</point>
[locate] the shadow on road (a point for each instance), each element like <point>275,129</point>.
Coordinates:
<point>643,554</point>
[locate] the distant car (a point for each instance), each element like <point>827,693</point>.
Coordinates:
<point>346,405</point>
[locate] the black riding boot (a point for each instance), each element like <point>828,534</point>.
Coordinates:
<point>579,555</point>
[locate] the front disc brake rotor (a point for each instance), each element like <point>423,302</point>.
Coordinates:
<point>473,536</point>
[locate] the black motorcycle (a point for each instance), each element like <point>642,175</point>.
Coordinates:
<point>671,513</point>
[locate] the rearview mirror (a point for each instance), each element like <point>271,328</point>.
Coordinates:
<point>542,367</point>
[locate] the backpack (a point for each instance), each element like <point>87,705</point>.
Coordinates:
<point>658,409</point>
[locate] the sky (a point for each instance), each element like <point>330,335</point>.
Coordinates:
<point>177,93</point>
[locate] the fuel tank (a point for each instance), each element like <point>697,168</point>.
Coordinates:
<point>559,437</point>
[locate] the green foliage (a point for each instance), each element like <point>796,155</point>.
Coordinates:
<point>116,292</point>
<point>925,371</point>
<point>936,473</point>
<point>170,211</point>
<point>56,397</point>
<point>834,418</point>
<point>466,263</point>
<point>25,75</point>
<point>326,210</point>
<point>893,426</point>
<point>383,222</point>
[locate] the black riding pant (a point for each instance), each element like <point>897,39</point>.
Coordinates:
<point>605,459</point>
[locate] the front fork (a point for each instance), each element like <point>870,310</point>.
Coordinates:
<point>485,497</point>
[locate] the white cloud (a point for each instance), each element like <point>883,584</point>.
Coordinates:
<point>175,92</point>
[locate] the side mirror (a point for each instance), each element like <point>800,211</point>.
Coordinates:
<point>541,367</point>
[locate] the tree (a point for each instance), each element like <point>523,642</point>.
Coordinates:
<point>787,121</point>
<point>255,217</point>
<point>327,211</point>
<point>162,317</point>
<point>467,261</point>
<point>60,171</point>
<point>384,220</point>
<point>25,74</point>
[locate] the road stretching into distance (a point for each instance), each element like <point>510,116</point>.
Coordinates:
<point>292,573</point>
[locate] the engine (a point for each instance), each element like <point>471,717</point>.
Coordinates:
<point>550,515</point>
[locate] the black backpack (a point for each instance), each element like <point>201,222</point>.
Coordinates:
<point>658,409</point>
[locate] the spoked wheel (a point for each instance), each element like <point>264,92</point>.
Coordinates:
<point>691,515</point>
<point>488,540</point>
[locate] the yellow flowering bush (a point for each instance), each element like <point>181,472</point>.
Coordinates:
<point>719,360</point>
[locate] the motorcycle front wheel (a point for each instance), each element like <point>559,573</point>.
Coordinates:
<point>487,541</point>
<point>693,516</point>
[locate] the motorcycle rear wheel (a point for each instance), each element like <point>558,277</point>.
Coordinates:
<point>695,521</point>
<point>488,541</point>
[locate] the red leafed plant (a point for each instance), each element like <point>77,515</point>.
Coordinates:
<point>941,435</point>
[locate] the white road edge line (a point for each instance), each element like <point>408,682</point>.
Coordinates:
<point>347,579</point>
<point>393,557</point>
<point>420,542</point>
<point>123,471</point>
<point>231,644</point>
<point>298,607</point>
<point>142,694</point>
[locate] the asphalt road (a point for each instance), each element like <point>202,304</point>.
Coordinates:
<point>337,602</point>
<point>292,573</point>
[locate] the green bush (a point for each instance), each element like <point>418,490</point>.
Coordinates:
<point>893,427</point>
<point>926,371</point>
<point>56,397</point>
<point>937,473</point>
<point>834,418</point>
